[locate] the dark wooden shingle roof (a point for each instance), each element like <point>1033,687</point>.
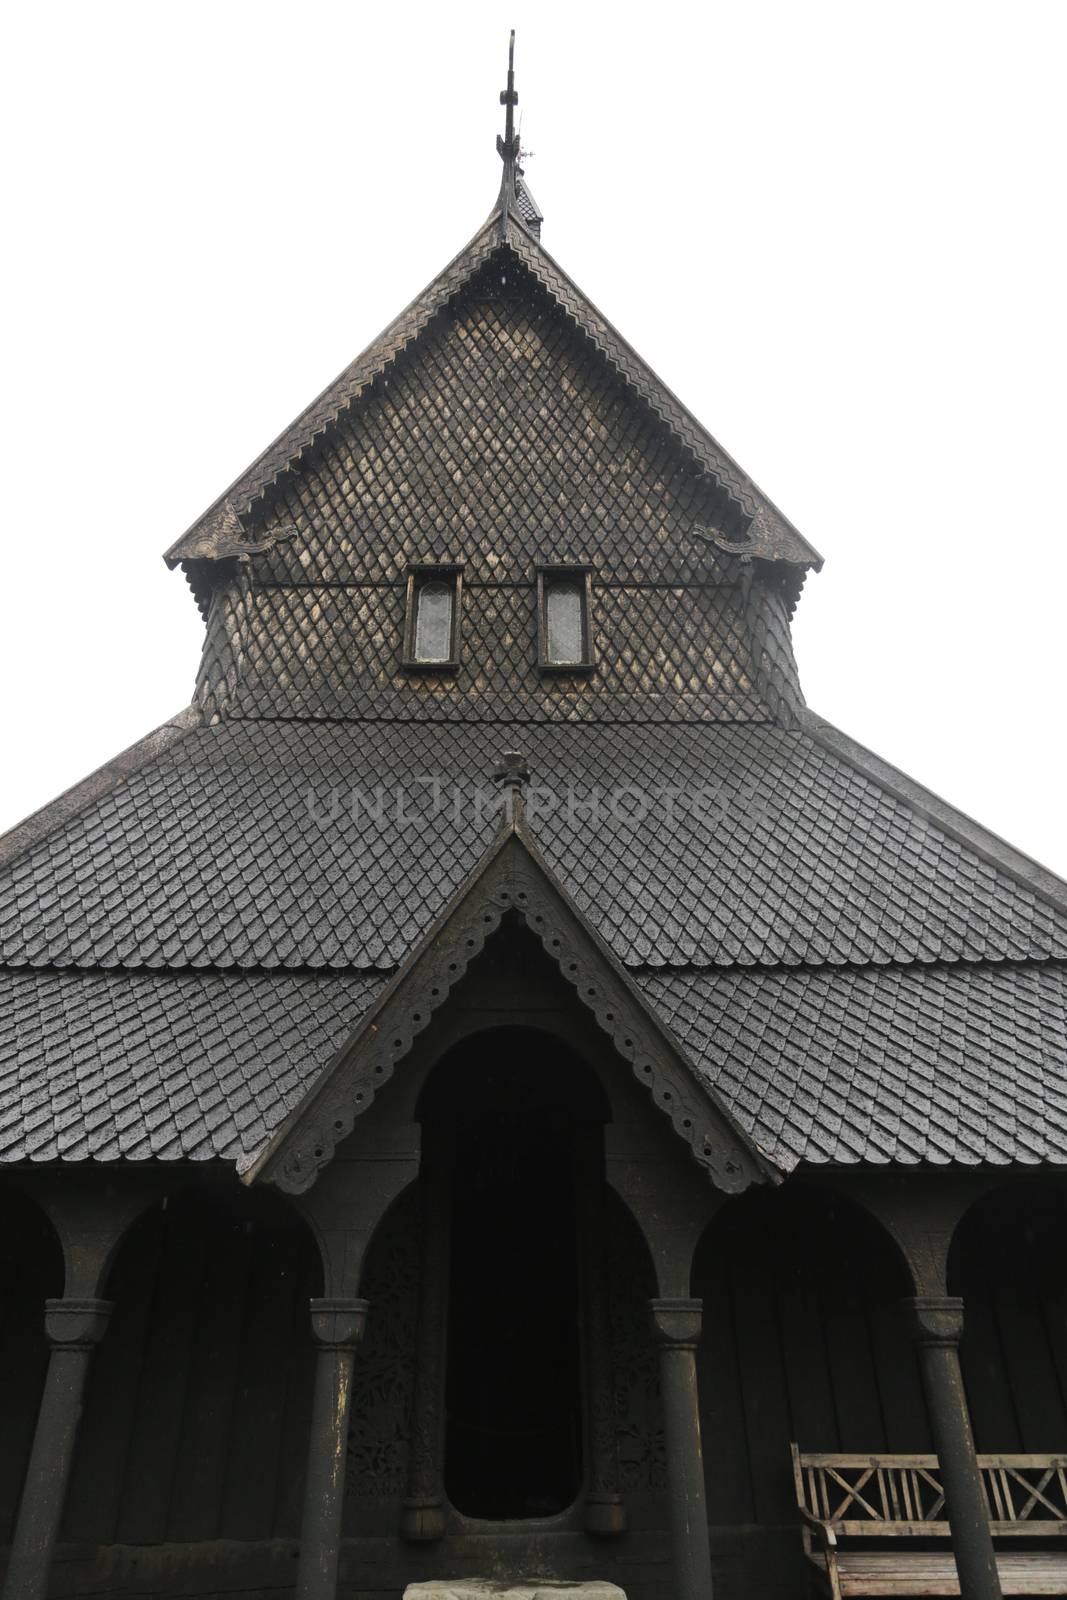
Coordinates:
<point>189,937</point>
<point>294,844</point>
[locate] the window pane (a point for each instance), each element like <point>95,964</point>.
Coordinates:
<point>563,622</point>
<point>433,622</point>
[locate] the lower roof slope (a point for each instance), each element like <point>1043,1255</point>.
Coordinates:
<point>860,973</point>
<point>918,1064</point>
<point>292,845</point>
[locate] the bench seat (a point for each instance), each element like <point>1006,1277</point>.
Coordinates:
<point>914,1572</point>
<point>847,1501</point>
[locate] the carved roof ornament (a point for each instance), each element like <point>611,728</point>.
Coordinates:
<point>508,146</point>
<point>512,773</point>
<point>514,198</point>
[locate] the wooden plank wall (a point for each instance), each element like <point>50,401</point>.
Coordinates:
<point>203,1382</point>
<point>31,1269</point>
<point>803,1340</point>
<point>1009,1262</point>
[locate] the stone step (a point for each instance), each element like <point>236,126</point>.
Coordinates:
<point>531,1589</point>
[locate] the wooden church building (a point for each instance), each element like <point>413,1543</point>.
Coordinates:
<point>498,1092</point>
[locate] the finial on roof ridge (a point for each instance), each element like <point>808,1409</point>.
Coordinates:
<point>512,773</point>
<point>515,196</point>
<point>508,146</point>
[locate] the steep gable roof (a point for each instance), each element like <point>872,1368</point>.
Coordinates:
<point>220,534</point>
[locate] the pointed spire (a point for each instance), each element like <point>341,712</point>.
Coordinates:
<point>514,194</point>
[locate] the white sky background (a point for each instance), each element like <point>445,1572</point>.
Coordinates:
<point>836,230</point>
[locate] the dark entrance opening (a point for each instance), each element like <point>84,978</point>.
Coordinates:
<point>519,1113</point>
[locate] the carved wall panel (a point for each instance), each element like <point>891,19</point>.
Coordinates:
<point>634,1357</point>
<point>380,1426</point>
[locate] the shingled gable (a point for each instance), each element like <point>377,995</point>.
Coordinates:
<point>220,533</point>
<point>511,879</point>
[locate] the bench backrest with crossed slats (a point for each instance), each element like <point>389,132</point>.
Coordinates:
<point>880,1496</point>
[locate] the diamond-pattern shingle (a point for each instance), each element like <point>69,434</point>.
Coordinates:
<point>499,262</point>
<point>934,1064</point>
<point>900,1064</point>
<point>133,1066</point>
<point>300,844</point>
<point>310,651</point>
<point>501,439</point>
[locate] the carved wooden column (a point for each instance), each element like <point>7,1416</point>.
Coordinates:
<point>338,1328</point>
<point>937,1324</point>
<point>605,1514</point>
<point>73,1328</point>
<point>677,1324</point>
<point>423,1517</point>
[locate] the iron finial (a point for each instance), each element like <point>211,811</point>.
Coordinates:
<point>508,146</point>
<point>514,200</point>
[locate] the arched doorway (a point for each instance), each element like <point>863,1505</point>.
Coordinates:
<point>515,1117</point>
<point>1007,1262</point>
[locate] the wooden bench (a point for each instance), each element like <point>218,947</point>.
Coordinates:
<point>868,1498</point>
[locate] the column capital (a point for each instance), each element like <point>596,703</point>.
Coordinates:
<point>338,1324</point>
<point>677,1322</point>
<point>76,1324</point>
<point>936,1319</point>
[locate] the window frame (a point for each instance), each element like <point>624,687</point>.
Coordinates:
<point>419,574</point>
<point>550,572</point>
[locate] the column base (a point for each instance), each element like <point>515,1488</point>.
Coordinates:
<point>605,1516</point>
<point>423,1523</point>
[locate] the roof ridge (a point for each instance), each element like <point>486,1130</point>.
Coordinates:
<point>39,824</point>
<point>986,844</point>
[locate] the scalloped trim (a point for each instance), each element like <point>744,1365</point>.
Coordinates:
<point>367,1062</point>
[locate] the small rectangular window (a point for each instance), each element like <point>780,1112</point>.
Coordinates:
<point>431,628</point>
<point>564,632</point>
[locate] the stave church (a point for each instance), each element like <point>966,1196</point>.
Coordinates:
<point>500,1098</point>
